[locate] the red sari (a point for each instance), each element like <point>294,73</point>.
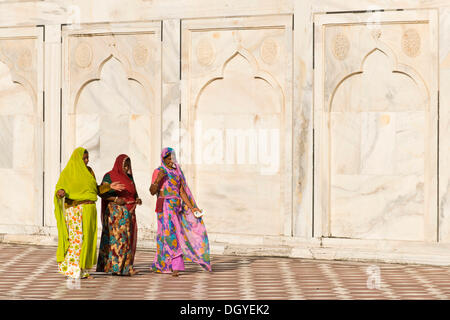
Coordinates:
<point>119,233</point>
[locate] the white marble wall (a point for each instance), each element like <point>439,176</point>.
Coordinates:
<point>21,75</point>
<point>237,107</point>
<point>380,179</point>
<point>377,106</point>
<point>444,125</point>
<point>112,100</point>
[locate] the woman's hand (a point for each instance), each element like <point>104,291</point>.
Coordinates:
<point>120,201</point>
<point>161,175</point>
<point>138,201</point>
<point>155,185</point>
<point>61,193</point>
<point>194,210</point>
<point>117,186</point>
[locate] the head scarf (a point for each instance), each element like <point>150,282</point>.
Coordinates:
<point>117,174</point>
<point>171,172</point>
<point>196,244</point>
<point>79,184</point>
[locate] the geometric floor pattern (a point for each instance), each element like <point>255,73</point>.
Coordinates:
<point>30,272</point>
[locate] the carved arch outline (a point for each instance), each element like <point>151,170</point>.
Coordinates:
<point>20,80</point>
<point>257,74</point>
<point>95,75</point>
<point>395,66</point>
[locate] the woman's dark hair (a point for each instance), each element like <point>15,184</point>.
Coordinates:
<point>168,155</point>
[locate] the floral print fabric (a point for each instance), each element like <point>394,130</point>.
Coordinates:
<point>71,264</point>
<point>167,244</point>
<point>116,254</point>
<point>192,231</point>
<point>179,231</point>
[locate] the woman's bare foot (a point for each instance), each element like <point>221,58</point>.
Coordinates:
<point>133,272</point>
<point>175,273</point>
<point>85,274</point>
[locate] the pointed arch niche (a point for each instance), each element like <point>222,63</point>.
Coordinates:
<point>239,106</point>
<point>377,138</point>
<point>112,100</point>
<point>376,145</point>
<point>232,110</point>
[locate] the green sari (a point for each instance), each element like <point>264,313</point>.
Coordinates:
<point>79,184</point>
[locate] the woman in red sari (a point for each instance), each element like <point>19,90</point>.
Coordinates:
<point>119,233</point>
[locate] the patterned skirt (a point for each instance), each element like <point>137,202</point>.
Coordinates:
<point>116,249</point>
<point>71,264</point>
<point>169,254</point>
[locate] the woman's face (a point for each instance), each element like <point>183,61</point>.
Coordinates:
<point>86,157</point>
<point>127,166</point>
<point>168,161</point>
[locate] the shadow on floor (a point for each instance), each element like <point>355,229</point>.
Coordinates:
<point>219,264</point>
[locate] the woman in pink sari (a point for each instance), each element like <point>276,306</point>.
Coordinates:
<point>181,232</point>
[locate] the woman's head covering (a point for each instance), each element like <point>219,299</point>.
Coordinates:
<point>117,174</point>
<point>76,179</point>
<point>176,171</point>
<point>196,244</point>
<point>79,184</point>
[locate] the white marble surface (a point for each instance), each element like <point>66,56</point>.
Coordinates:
<point>52,125</point>
<point>444,126</point>
<point>235,106</point>
<point>171,93</point>
<point>405,132</point>
<point>381,142</point>
<point>112,101</point>
<point>21,126</point>
<point>6,141</point>
<point>111,119</point>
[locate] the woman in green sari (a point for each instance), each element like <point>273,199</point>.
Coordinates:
<point>76,215</point>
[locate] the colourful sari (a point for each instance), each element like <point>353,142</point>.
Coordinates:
<point>119,232</point>
<point>180,234</point>
<point>76,220</point>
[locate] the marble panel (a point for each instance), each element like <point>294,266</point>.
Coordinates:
<point>21,126</point>
<point>87,134</point>
<point>241,207</point>
<point>410,139</point>
<point>113,92</point>
<point>237,108</point>
<point>444,125</point>
<point>16,212</point>
<point>377,143</point>
<point>377,117</point>
<point>114,138</point>
<point>346,142</point>
<point>377,207</point>
<point>26,150</point>
<point>6,141</point>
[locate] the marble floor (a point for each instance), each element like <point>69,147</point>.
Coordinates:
<point>29,272</point>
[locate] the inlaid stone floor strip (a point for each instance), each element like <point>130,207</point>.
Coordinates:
<point>40,269</point>
<point>245,280</point>
<point>290,281</point>
<point>339,289</point>
<point>30,272</point>
<point>430,288</point>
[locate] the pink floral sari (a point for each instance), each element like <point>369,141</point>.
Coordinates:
<point>180,233</point>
